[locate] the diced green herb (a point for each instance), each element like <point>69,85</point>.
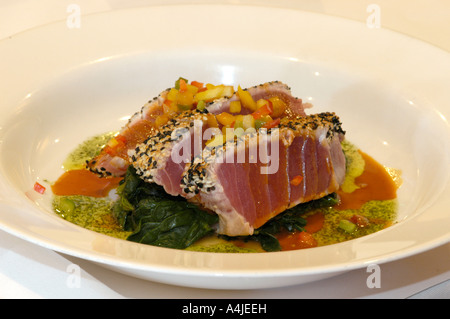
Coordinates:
<point>201,105</point>
<point>66,205</point>
<point>347,226</point>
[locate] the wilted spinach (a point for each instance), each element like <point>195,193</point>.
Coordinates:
<point>157,218</point>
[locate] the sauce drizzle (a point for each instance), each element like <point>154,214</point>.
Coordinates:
<point>374,183</point>
<point>84,182</point>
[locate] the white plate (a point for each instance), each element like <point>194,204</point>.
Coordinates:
<point>62,85</point>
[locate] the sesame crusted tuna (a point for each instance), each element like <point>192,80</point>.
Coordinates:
<point>253,178</point>
<point>115,160</point>
<point>162,157</point>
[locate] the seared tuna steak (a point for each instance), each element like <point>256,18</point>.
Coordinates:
<point>300,161</point>
<point>114,159</point>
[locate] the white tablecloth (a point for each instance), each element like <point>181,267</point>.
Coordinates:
<point>30,271</point>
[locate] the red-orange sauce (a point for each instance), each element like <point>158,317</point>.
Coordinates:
<point>375,184</point>
<point>296,240</point>
<point>314,222</point>
<point>84,182</point>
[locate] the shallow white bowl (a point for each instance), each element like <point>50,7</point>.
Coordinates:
<point>62,85</point>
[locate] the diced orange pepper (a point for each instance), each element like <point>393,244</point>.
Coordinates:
<point>183,85</point>
<point>278,106</point>
<point>225,118</point>
<point>212,121</point>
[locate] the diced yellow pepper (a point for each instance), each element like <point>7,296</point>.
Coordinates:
<point>192,89</point>
<point>225,118</point>
<point>278,105</point>
<point>172,95</point>
<point>235,107</point>
<point>185,100</point>
<point>246,99</point>
<point>228,91</point>
<point>248,122</point>
<point>261,102</point>
<point>210,94</point>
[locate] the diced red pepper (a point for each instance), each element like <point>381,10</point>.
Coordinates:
<point>39,188</point>
<point>296,180</point>
<point>359,220</point>
<point>272,124</point>
<point>262,111</point>
<point>197,84</point>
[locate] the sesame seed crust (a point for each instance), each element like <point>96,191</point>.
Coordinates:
<point>151,155</point>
